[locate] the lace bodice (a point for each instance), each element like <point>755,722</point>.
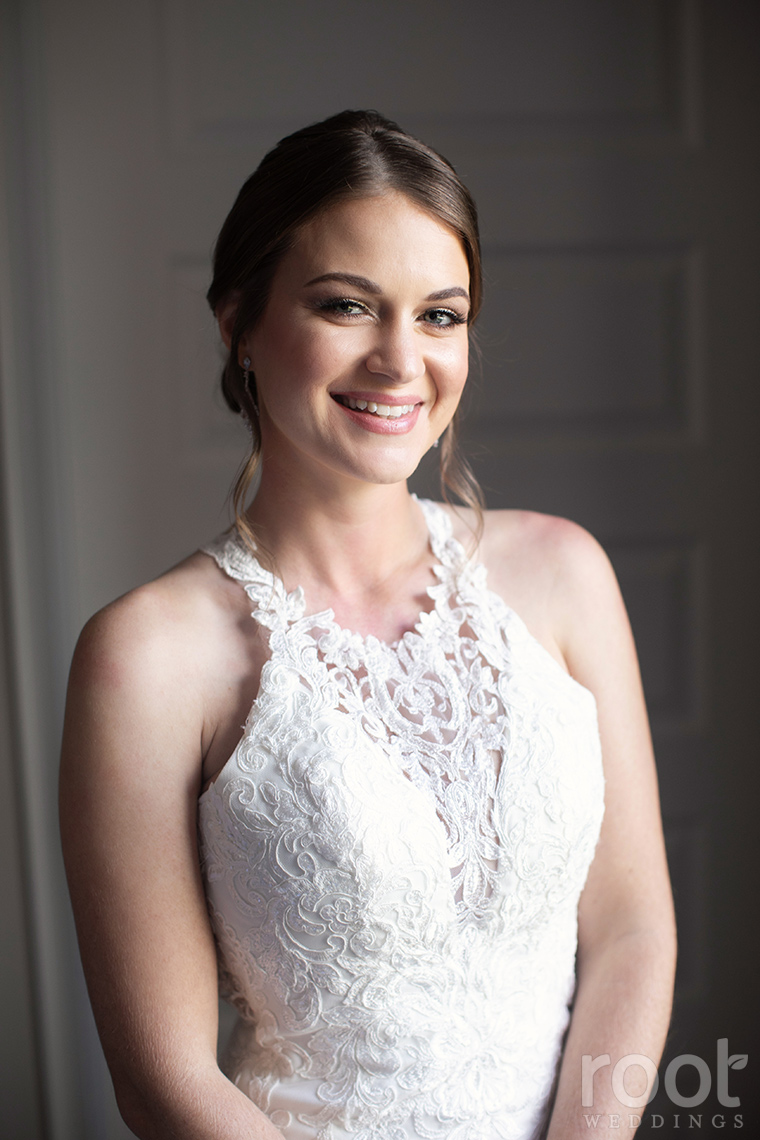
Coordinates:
<point>393,858</point>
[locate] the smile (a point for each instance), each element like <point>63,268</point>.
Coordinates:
<point>387,411</point>
<point>377,417</point>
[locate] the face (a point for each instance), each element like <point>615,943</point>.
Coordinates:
<point>360,356</point>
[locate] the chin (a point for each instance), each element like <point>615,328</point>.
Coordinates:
<point>383,470</point>
<point>387,474</point>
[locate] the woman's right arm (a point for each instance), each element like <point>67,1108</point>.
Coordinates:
<point>130,777</point>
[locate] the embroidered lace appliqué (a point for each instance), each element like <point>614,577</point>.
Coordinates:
<point>393,859</point>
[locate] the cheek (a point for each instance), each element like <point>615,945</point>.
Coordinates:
<point>283,360</point>
<point>453,368</point>
<point>294,357</point>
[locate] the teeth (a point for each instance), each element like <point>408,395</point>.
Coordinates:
<point>389,411</point>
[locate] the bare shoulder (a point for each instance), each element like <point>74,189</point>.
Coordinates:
<point>166,620</point>
<point>517,534</point>
<point>131,771</point>
<point>540,542</point>
<point>174,661</point>
<point>552,572</point>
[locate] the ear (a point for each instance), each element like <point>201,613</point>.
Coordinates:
<point>225,318</point>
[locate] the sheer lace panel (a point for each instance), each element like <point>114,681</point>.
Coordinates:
<point>440,720</point>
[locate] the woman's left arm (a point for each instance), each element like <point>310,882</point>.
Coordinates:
<point>626,938</point>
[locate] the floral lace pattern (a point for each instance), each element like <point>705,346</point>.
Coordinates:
<point>393,858</point>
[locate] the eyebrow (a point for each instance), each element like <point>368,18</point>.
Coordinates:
<point>368,286</point>
<point>444,294</point>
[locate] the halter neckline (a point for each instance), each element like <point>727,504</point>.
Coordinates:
<point>279,608</point>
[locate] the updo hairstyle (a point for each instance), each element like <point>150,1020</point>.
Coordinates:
<point>355,154</point>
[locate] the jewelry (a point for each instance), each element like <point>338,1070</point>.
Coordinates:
<point>246,379</point>
<point>435,443</point>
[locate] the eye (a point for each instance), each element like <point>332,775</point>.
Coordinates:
<point>444,318</point>
<point>342,307</point>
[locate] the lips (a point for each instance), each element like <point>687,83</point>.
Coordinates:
<point>382,415</point>
<point>392,411</point>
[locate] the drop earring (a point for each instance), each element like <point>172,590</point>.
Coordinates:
<point>435,443</point>
<point>246,382</point>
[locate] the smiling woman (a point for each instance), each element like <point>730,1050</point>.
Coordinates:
<point>354,156</point>
<point>437,832</point>
<point>317,353</point>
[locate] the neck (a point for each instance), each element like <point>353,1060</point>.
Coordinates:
<point>336,532</point>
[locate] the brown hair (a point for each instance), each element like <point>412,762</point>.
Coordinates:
<point>355,154</point>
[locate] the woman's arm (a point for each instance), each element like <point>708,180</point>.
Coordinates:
<point>129,787</point>
<point>626,952</point>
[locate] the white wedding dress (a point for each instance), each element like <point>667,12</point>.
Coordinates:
<point>393,858</point>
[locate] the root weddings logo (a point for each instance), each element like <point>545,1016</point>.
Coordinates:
<point>724,1063</point>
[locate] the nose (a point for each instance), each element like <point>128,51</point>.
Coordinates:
<point>396,354</point>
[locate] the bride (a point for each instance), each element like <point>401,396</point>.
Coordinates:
<point>379,766</point>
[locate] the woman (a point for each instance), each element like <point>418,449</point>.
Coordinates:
<point>400,851</point>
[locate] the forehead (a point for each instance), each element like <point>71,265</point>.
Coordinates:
<point>388,231</point>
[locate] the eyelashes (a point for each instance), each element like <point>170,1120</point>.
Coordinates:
<point>451,316</point>
<point>437,317</point>
<point>342,306</point>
